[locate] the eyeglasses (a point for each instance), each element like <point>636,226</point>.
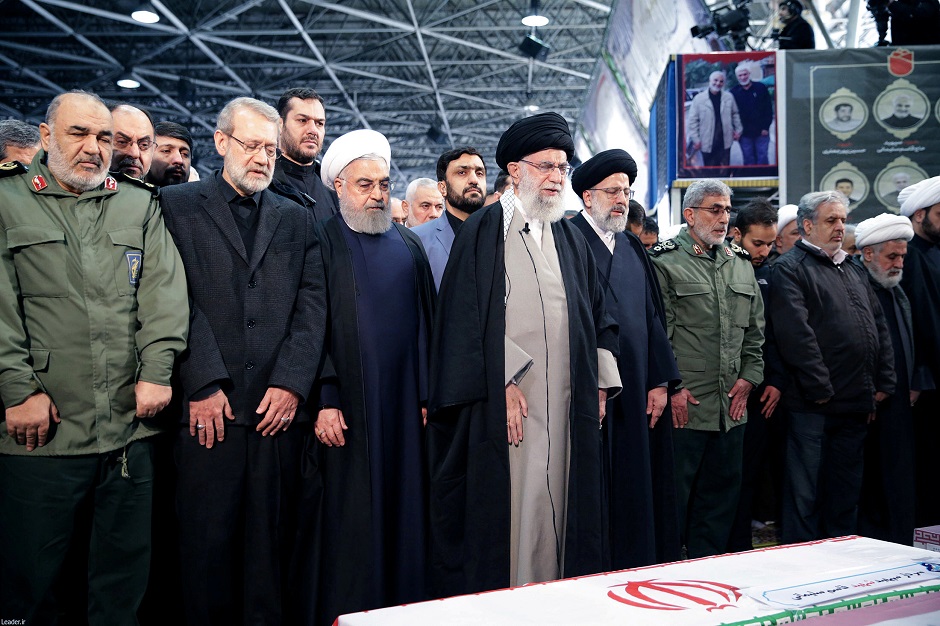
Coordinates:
<point>122,142</point>
<point>714,211</point>
<point>546,167</point>
<point>254,147</point>
<point>613,192</point>
<point>366,186</point>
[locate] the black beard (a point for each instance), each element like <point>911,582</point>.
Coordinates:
<point>462,203</point>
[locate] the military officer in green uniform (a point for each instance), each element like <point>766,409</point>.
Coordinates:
<point>715,319</point>
<point>93,312</point>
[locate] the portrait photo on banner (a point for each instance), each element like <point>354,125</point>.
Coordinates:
<point>727,115</point>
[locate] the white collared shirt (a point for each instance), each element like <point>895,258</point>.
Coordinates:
<point>607,236</point>
<point>837,258</point>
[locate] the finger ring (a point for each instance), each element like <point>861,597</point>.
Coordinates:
<point>285,419</point>
<point>319,432</point>
<point>507,423</point>
<point>200,426</point>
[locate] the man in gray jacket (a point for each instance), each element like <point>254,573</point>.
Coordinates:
<point>713,122</point>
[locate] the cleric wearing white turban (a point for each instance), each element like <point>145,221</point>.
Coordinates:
<point>349,147</point>
<point>785,215</point>
<point>882,228</point>
<point>920,195</point>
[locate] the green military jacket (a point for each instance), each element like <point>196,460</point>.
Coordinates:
<point>715,321</point>
<point>92,299</point>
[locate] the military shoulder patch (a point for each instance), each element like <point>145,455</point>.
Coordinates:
<point>741,252</point>
<point>124,178</point>
<point>12,168</point>
<point>664,246</point>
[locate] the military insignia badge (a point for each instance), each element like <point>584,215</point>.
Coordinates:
<point>134,259</point>
<point>39,183</point>
<point>110,184</point>
<point>729,252</point>
<point>697,248</point>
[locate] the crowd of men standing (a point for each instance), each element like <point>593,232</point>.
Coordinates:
<point>267,395</point>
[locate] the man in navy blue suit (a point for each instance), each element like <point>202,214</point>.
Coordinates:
<point>461,177</point>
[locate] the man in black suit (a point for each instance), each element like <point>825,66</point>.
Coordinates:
<point>257,292</point>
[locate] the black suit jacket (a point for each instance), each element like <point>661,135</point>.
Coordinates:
<point>256,322</point>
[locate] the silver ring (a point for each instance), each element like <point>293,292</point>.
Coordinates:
<point>285,419</point>
<point>200,426</point>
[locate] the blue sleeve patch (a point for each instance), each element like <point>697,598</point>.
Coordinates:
<point>133,266</point>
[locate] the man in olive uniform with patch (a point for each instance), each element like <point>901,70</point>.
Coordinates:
<point>93,312</point>
<point>715,320</point>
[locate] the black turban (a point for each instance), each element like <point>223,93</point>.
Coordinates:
<point>600,166</point>
<point>532,134</point>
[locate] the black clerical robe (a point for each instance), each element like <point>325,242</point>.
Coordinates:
<point>644,526</point>
<point>886,505</point>
<point>365,512</point>
<point>467,446</point>
<point>921,283</point>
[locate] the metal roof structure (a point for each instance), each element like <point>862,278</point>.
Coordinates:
<point>401,67</point>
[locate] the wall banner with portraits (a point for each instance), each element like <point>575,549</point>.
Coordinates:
<point>865,122</point>
<point>727,115</point>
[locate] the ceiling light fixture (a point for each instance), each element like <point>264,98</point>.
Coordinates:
<point>535,18</point>
<point>145,14</point>
<point>530,104</point>
<point>127,80</point>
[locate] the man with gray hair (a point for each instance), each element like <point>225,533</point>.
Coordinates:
<point>93,314</point>
<point>257,292</point>
<point>423,202</point>
<point>902,117</point>
<point>886,507</point>
<point>367,469</point>
<point>713,122</point>
<point>19,141</point>
<point>715,320</point>
<point>840,364</point>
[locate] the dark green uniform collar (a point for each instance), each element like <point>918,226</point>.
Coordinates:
<point>42,182</point>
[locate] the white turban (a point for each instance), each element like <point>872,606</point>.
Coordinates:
<point>882,228</point>
<point>920,195</point>
<point>785,215</point>
<point>349,147</point>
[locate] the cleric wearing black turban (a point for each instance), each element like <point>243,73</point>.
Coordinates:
<point>522,359</point>
<point>638,437</point>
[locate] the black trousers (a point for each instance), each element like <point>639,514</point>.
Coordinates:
<point>236,505</point>
<point>708,484</point>
<point>825,458</point>
<point>40,502</point>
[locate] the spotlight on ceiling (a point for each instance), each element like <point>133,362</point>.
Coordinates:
<point>145,14</point>
<point>127,81</point>
<point>436,135</point>
<point>535,18</point>
<point>534,47</point>
<point>530,104</point>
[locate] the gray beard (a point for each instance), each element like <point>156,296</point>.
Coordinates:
<point>614,224</point>
<point>367,221</point>
<point>539,208</point>
<point>882,278</point>
<point>62,171</point>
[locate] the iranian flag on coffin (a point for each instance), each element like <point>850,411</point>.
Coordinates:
<point>732,589</point>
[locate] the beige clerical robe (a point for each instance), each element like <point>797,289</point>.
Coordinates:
<point>537,356</point>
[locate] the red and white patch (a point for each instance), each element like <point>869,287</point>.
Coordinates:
<point>39,183</point>
<point>697,248</point>
<point>110,184</point>
<point>729,252</point>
